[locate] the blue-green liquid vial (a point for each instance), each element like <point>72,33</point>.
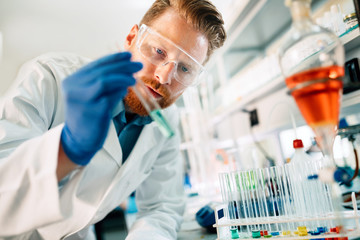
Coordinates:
<point>164,126</point>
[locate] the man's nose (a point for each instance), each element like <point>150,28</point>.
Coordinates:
<point>165,72</point>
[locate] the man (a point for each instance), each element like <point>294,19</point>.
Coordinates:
<point>74,142</point>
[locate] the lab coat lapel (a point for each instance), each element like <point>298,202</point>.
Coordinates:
<point>134,171</point>
<point>112,145</point>
<point>146,141</point>
<point>134,164</point>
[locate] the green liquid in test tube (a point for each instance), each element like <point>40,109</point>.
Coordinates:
<point>153,108</point>
<point>162,123</point>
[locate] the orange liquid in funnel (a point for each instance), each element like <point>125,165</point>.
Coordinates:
<point>319,102</point>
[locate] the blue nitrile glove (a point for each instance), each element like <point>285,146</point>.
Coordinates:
<point>90,96</point>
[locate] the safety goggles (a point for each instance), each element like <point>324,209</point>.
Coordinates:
<point>160,51</point>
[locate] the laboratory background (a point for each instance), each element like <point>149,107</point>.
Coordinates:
<point>254,156</point>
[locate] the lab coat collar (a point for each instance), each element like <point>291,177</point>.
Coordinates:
<point>112,145</point>
<point>118,108</point>
<point>139,120</point>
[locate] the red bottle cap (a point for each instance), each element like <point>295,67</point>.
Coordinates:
<point>297,143</point>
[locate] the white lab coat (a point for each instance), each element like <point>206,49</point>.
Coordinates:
<point>31,204</point>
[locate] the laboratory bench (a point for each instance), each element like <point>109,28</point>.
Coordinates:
<point>117,223</point>
<point>190,228</point>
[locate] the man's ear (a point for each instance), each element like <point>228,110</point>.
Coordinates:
<point>131,37</point>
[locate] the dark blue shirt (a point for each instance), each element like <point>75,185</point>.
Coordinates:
<point>128,127</point>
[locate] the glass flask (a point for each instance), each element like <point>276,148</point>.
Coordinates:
<point>312,62</point>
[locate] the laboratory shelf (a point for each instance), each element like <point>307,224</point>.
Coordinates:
<point>350,40</point>
<point>263,91</point>
<point>237,11</point>
<point>252,33</point>
<point>350,103</point>
<point>223,144</point>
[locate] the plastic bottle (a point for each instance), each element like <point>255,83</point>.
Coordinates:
<point>299,155</point>
<point>311,194</point>
<point>298,175</point>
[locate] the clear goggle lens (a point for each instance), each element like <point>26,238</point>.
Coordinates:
<point>160,51</point>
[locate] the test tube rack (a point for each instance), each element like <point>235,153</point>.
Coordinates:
<point>285,202</point>
<point>224,224</point>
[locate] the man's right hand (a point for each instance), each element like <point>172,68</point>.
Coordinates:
<point>90,96</point>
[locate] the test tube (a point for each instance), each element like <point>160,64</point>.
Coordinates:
<point>291,197</point>
<point>222,188</point>
<point>239,200</point>
<point>247,188</point>
<point>284,191</point>
<point>244,203</point>
<point>252,187</point>
<point>225,193</point>
<point>325,196</point>
<point>294,195</point>
<point>297,192</point>
<point>226,199</point>
<point>153,108</point>
<point>231,200</point>
<point>255,199</point>
<point>314,196</point>
<point>276,181</point>
<point>263,195</point>
<point>272,197</point>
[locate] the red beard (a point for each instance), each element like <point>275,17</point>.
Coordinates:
<point>133,104</point>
